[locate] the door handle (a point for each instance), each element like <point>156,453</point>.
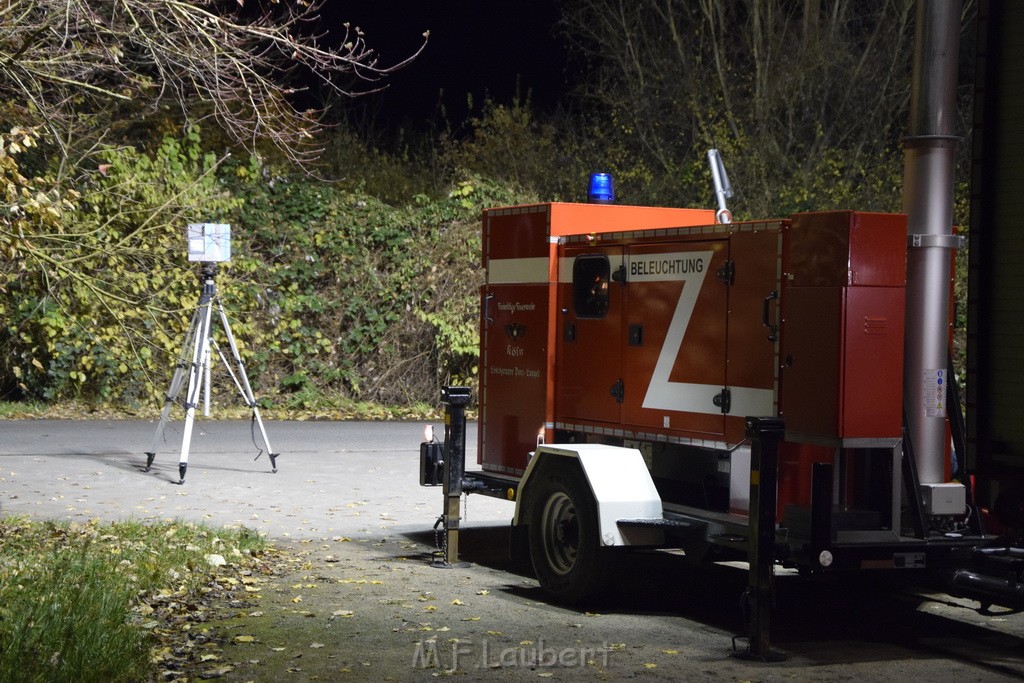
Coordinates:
<point>773,330</point>
<point>487,308</point>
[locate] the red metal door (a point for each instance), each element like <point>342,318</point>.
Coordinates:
<point>589,377</point>
<point>675,330</point>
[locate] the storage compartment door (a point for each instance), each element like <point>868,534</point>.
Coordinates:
<point>675,337</point>
<point>589,375</point>
<point>513,374</point>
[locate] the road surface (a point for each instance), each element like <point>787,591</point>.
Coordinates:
<point>347,494</point>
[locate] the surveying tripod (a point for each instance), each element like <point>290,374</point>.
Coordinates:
<point>195,361</point>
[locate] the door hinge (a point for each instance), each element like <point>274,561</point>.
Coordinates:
<point>723,400</point>
<point>618,390</point>
<point>727,273</point>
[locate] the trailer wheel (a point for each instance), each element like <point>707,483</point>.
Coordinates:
<point>564,545</point>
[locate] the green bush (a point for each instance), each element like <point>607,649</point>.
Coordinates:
<point>334,296</point>
<point>95,292</point>
<point>362,299</point>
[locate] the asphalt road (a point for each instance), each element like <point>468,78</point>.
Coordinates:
<point>359,481</point>
<point>332,477</point>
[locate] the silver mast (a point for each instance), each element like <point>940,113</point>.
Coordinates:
<point>929,159</point>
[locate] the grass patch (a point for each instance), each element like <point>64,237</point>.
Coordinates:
<point>21,409</point>
<point>287,408</point>
<point>75,599</point>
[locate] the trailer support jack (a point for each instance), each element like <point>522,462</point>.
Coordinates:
<point>764,434</point>
<point>455,400</point>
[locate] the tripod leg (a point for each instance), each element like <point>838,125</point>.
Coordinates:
<point>176,382</point>
<point>242,383</point>
<point>200,360</point>
<point>206,384</point>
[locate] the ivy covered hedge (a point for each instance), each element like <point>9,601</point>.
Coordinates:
<point>333,295</point>
<point>363,291</point>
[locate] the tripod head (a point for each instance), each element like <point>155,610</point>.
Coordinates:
<point>207,271</point>
<point>207,276</point>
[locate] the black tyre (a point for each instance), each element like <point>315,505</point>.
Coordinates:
<point>564,539</point>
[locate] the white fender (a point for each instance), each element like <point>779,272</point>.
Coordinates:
<point>618,478</point>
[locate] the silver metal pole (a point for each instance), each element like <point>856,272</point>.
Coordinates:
<point>723,188</point>
<point>929,156</point>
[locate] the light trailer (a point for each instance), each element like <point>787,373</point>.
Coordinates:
<point>637,363</point>
<point>777,391</point>
<point>209,244</point>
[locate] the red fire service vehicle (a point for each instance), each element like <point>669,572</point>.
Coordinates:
<point>623,350</point>
<point>772,389</point>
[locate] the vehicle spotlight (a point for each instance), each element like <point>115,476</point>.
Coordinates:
<point>601,189</point>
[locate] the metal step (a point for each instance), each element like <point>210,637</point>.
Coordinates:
<point>659,523</point>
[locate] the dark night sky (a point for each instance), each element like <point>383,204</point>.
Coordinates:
<point>476,46</point>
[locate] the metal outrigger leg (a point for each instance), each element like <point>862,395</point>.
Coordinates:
<point>195,362</point>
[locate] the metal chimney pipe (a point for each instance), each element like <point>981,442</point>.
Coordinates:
<point>928,163</point>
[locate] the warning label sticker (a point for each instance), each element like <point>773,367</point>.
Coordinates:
<point>935,393</point>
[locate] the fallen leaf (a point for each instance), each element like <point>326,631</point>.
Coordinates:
<point>216,673</point>
<point>245,639</point>
<point>160,655</point>
<point>216,560</point>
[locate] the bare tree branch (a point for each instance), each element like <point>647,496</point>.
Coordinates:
<point>795,89</point>
<point>249,69</point>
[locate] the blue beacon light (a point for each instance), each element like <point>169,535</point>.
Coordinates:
<point>601,190</point>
